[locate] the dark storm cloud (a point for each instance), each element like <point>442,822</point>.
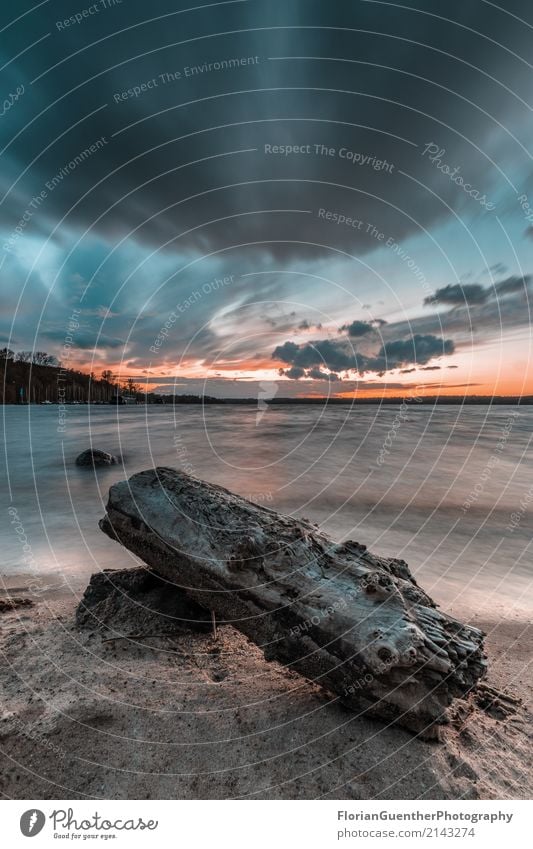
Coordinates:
<point>294,373</point>
<point>419,349</point>
<point>473,293</point>
<point>357,328</point>
<point>467,293</point>
<point>506,305</point>
<point>339,355</point>
<point>170,134</point>
<point>481,322</point>
<point>513,285</point>
<point>317,374</point>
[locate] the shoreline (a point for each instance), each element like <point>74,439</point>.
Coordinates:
<point>393,400</point>
<point>86,716</point>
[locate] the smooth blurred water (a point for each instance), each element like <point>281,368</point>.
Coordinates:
<point>321,463</point>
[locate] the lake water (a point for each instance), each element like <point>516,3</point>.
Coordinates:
<point>322,463</point>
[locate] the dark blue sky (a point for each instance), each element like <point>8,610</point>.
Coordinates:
<point>220,192</point>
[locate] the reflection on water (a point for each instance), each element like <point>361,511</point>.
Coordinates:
<point>441,499</point>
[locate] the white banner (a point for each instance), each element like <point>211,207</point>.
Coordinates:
<point>266,824</point>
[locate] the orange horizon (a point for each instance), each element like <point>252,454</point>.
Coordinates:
<point>472,385</point>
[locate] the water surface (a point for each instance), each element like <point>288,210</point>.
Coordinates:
<point>322,463</point>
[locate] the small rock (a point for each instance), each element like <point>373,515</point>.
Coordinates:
<point>94,457</point>
<point>138,601</point>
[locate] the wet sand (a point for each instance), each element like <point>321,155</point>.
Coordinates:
<point>191,717</point>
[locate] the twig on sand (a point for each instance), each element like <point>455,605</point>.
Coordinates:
<point>138,636</point>
<point>494,702</point>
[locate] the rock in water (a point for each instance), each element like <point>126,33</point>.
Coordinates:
<point>352,621</point>
<point>95,457</point>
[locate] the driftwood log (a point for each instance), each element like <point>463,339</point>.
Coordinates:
<point>356,623</point>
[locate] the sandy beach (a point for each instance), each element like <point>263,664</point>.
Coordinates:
<point>191,717</point>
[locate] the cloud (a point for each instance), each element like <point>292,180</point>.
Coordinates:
<point>473,294</point>
<point>334,355</point>
<point>317,374</point>
<point>184,174</point>
<point>512,285</point>
<point>502,308</point>
<point>357,328</point>
<point>339,355</point>
<point>294,373</point>
<point>457,293</point>
<point>191,149</point>
<point>419,349</point>
<point>497,268</point>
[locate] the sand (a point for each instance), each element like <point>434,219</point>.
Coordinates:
<point>198,718</point>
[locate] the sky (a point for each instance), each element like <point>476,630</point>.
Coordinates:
<point>292,198</point>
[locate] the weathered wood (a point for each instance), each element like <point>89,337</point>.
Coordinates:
<point>352,621</point>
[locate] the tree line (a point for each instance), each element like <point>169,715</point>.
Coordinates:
<point>35,377</point>
<point>38,358</point>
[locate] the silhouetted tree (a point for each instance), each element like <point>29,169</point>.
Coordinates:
<point>41,358</point>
